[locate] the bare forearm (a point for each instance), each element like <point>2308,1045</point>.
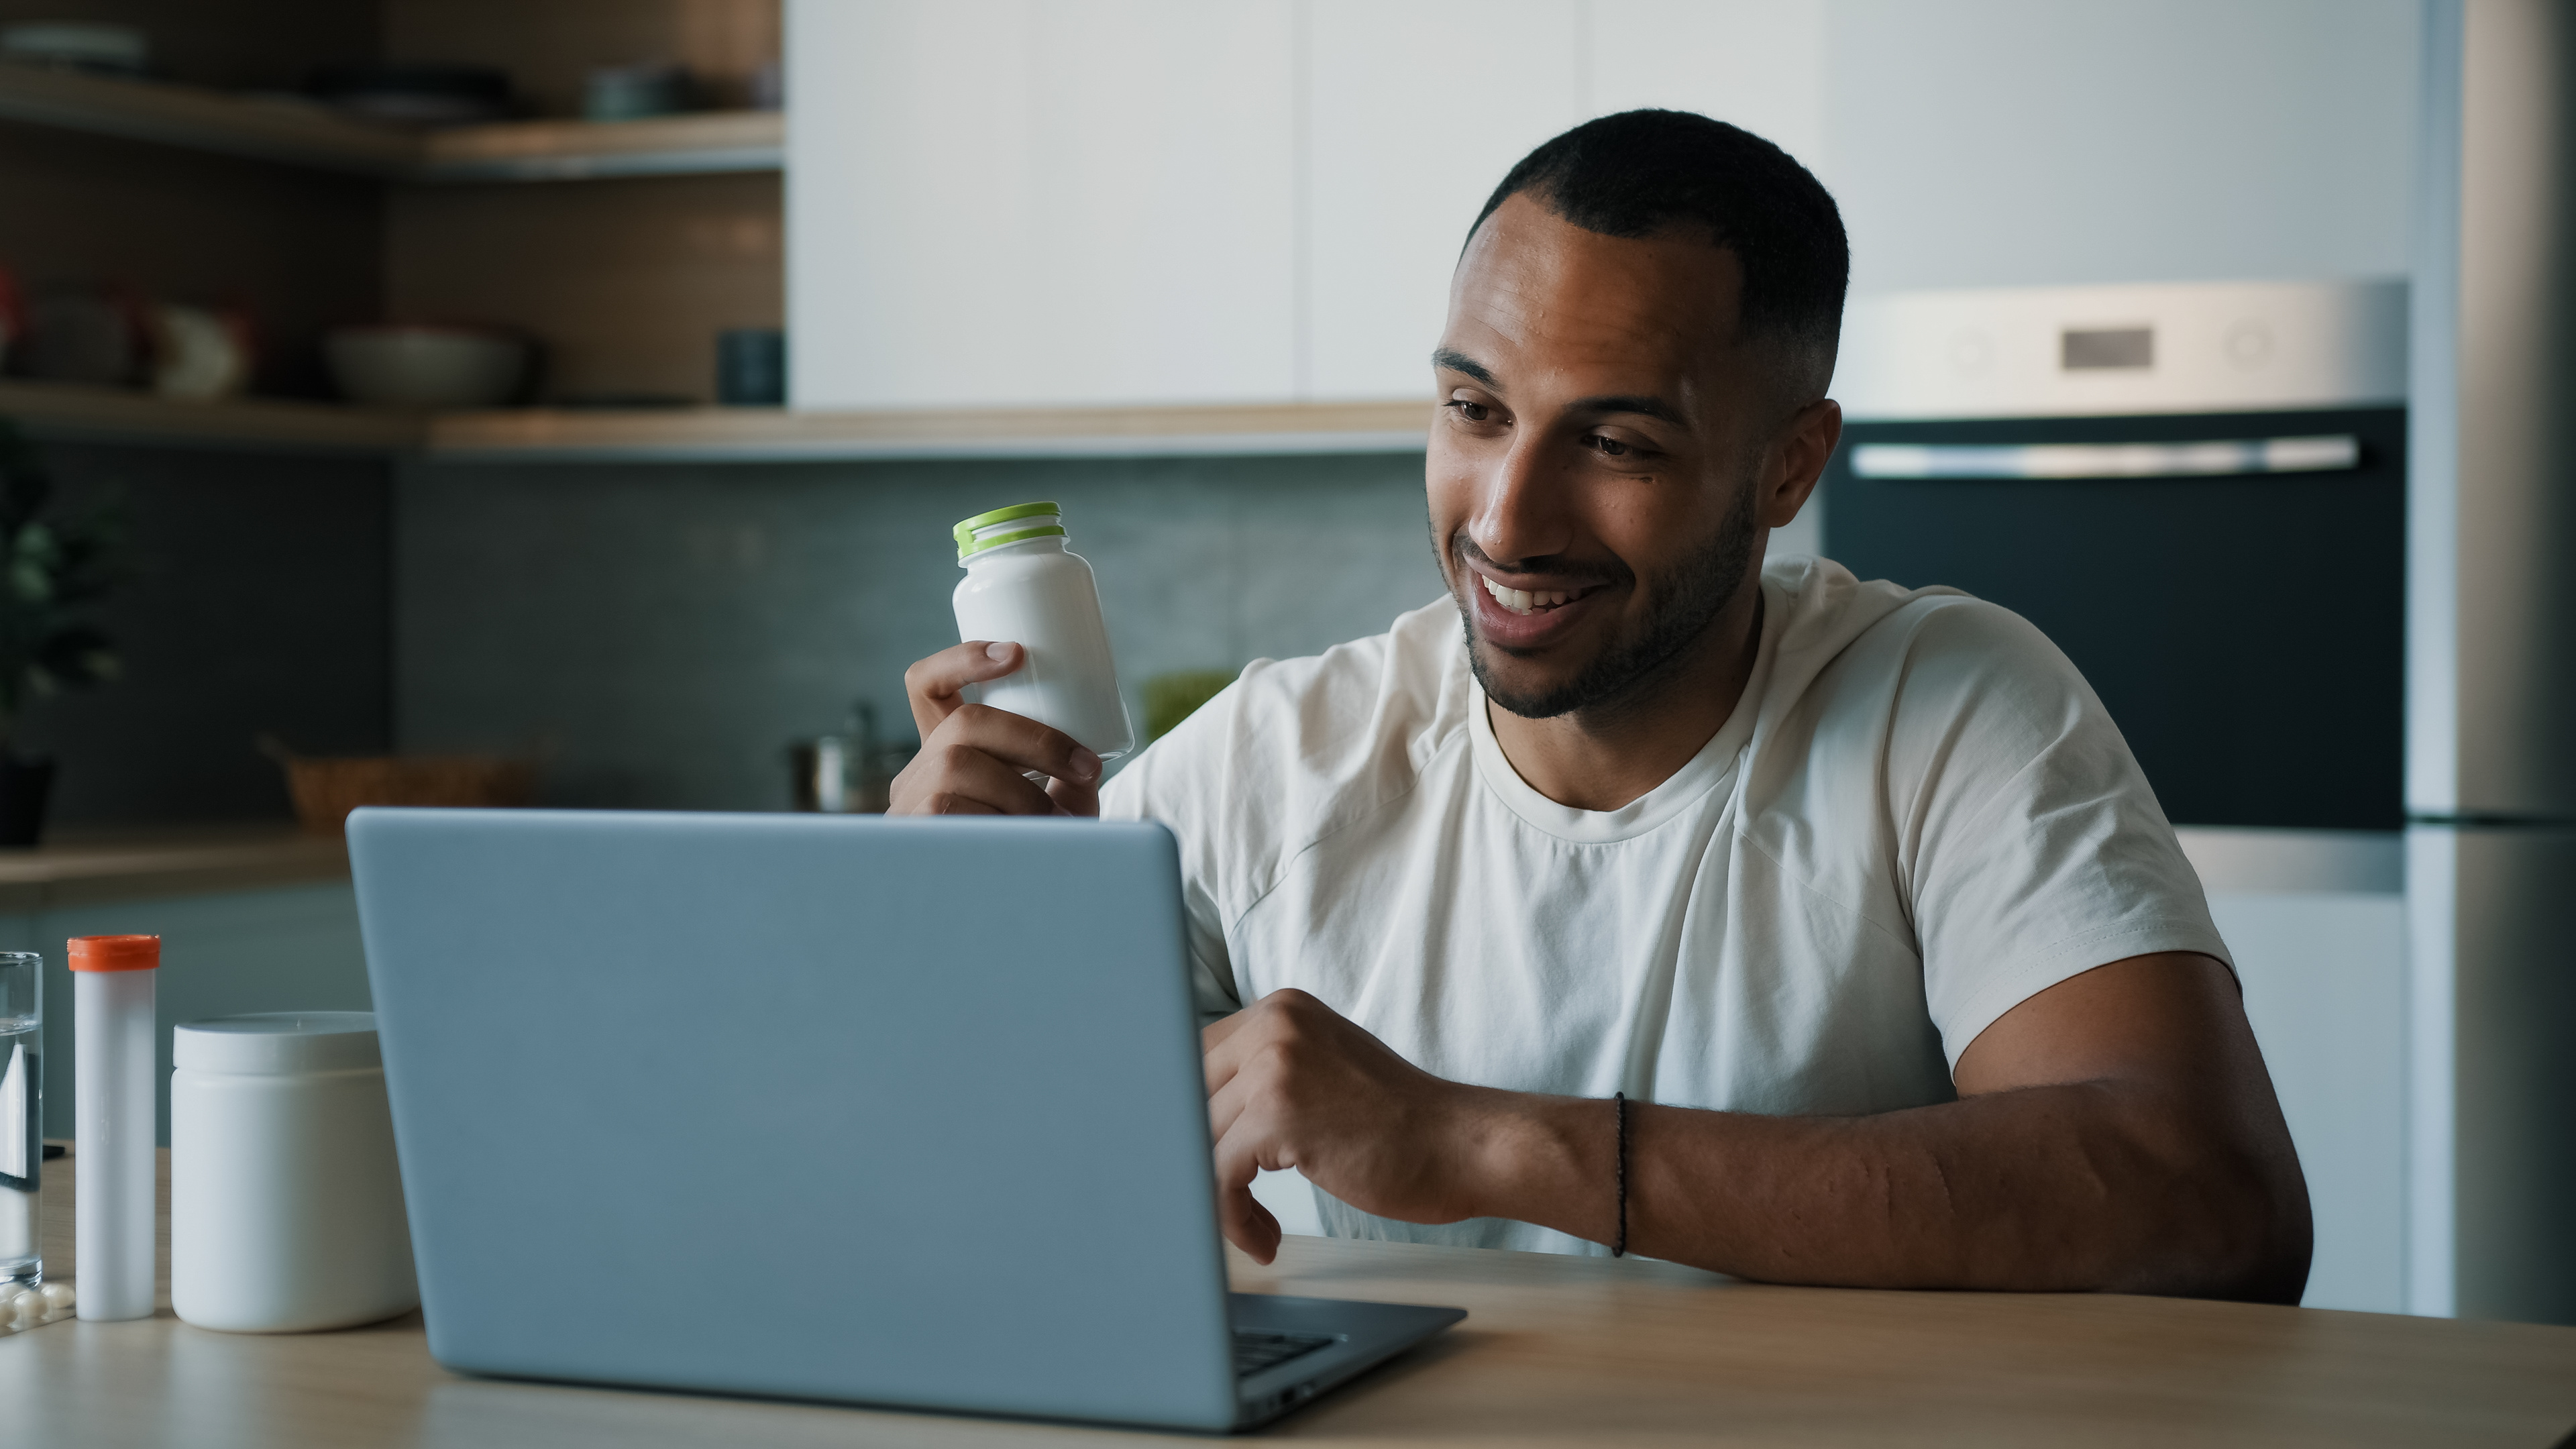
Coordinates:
<point>2088,1186</point>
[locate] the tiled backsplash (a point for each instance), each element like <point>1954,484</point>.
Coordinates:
<point>254,600</point>
<point>664,630</point>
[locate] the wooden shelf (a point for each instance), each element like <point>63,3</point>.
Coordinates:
<point>776,434</point>
<point>710,141</point>
<point>55,410</point>
<point>297,132</point>
<point>284,129</point>
<point>113,415</point>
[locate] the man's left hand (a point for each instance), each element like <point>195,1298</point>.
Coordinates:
<point>1293,1083</point>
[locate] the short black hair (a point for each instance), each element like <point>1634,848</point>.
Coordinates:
<point>1642,172</point>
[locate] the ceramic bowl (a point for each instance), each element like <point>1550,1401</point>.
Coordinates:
<point>416,94</point>
<point>426,367</point>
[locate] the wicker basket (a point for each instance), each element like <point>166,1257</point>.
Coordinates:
<point>327,788</point>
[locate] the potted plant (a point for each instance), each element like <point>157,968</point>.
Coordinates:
<point>51,571</point>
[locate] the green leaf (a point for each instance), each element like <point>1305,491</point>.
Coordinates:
<point>47,566</point>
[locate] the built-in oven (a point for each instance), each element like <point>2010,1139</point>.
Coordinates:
<point>2198,492</point>
<point>2231,584</point>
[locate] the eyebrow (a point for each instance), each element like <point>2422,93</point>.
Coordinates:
<point>1637,403</point>
<point>1461,362</point>
<point>1648,407</point>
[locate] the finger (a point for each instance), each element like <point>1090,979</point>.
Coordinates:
<point>959,779</point>
<point>1224,1046</point>
<point>1022,742</point>
<point>926,786</point>
<point>954,805</point>
<point>936,798</point>
<point>1221,1028</point>
<point>1226,1103</point>
<point>1246,1223</point>
<point>1074,797</point>
<point>932,684</point>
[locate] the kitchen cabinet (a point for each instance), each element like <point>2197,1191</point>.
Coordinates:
<point>2324,980</point>
<point>1759,64</point>
<point>1413,117</point>
<point>250,920</point>
<point>198,118</point>
<point>2316,920</point>
<point>1414,112</point>
<point>1011,203</point>
<point>650,236</point>
<point>996,210</point>
<point>288,948</point>
<point>1155,202</point>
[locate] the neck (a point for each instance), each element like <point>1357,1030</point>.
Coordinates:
<point>1605,757</point>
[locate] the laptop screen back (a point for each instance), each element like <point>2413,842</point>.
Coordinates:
<point>894,1111</point>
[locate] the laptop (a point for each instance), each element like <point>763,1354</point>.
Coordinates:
<point>892,1112</point>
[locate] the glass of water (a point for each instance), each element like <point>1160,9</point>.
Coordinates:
<point>22,1120</point>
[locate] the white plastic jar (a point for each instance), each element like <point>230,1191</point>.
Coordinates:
<point>1023,587</point>
<point>286,1210</point>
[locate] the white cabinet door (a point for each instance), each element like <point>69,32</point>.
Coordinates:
<point>1014,202</point>
<point>1413,113</point>
<point>1759,64</point>
<point>2324,981</point>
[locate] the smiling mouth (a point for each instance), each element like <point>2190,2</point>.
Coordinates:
<point>1531,601</point>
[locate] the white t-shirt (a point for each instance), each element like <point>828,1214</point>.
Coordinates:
<point>1917,817</point>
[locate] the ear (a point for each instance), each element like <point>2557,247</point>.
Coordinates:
<point>1804,447</point>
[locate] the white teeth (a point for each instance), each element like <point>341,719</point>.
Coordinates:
<point>1525,601</point>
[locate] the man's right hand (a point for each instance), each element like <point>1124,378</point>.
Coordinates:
<point>975,760</point>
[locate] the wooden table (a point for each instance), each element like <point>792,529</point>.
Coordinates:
<point>1554,1351</point>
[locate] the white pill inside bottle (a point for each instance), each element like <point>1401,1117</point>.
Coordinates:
<point>1024,587</point>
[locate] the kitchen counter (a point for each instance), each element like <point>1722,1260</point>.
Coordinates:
<point>75,867</point>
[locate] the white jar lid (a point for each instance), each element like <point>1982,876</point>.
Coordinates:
<point>278,1041</point>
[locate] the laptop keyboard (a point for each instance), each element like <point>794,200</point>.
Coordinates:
<point>1255,1350</point>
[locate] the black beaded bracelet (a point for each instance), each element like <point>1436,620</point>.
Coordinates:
<point>1619,1105</point>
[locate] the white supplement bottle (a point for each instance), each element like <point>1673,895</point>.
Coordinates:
<point>115,1121</point>
<point>286,1208</point>
<point>1023,587</point>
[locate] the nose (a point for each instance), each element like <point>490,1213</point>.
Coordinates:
<point>1520,508</point>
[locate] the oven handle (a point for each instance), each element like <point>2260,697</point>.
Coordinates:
<point>2107,460</point>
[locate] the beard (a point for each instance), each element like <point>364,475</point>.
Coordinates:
<point>1688,597</point>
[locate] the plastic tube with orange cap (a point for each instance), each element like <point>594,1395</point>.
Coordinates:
<point>114,1121</point>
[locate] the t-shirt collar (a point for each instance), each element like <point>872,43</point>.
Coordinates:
<point>1708,770</point>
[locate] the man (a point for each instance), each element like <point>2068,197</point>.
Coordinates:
<point>1853,893</point>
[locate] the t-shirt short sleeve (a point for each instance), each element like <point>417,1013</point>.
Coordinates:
<point>1171,782</point>
<point>1280,759</point>
<point>2029,845</point>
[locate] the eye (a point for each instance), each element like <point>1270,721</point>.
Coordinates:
<point>1474,412</point>
<point>1608,447</point>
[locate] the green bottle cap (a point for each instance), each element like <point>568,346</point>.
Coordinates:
<point>981,532</point>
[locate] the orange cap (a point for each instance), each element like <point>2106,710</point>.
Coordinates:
<point>114,953</point>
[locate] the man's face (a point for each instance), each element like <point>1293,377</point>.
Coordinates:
<point>1596,471</point>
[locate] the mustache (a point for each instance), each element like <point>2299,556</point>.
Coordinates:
<point>1604,570</point>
